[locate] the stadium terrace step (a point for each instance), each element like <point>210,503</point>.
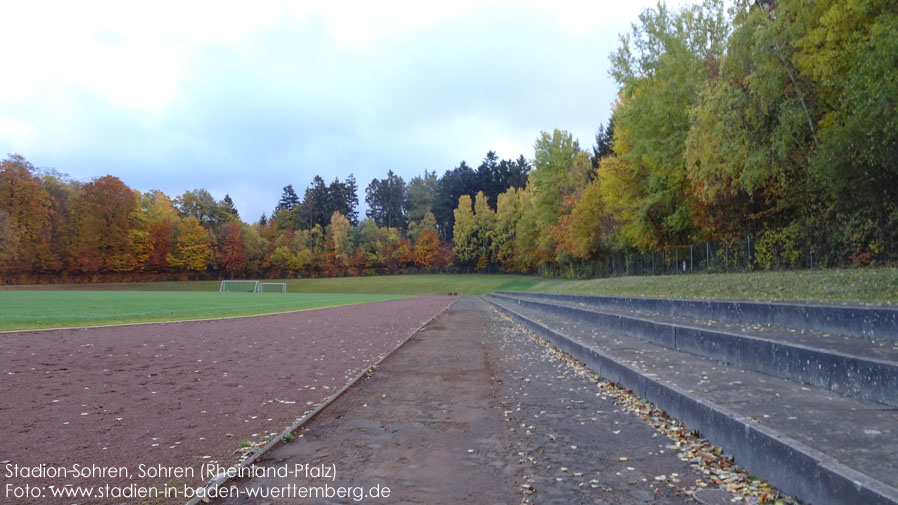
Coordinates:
<point>869,347</point>
<point>817,445</point>
<point>873,322</point>
<point>853,366</point>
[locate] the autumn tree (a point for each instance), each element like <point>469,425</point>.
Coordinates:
<point>340,240</point>
<point>510,207</point>
<point>427,249</point>
<point>662,66</point>
<point>849,51</point>
<point>104,215</point>
<point>371,242</point>
<point>301,247</point>
<point>427,223</point>
<point>560,170</point>
<point>232,256</point>
<point>161,220</point>
<point>192,250</point>
<point>587,222</point>
<point>255,248</point>
<point>199,203</point>
<point>25,211</point>
<point>464,233</point>
<point>484,230</point>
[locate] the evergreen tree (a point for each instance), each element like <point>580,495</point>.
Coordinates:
<point>462,180</point>
<point>386,200</point>
<point>288,200</point>
<point>421,193</point>
<point>227,205</point>
<point>604,137</point>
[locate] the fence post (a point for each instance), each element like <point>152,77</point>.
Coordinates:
<point>690,257</point>
<point>708,256</point>
<point>748,249</point>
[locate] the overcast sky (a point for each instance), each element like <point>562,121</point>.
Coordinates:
<point>245,100</point>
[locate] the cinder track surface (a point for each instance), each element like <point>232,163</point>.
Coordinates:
<point>472,409</point>
<point>179,395</point>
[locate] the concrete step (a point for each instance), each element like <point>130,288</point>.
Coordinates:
<point>812,443</point>
<point>857,367</point>
<point>867,321</point>
<point>857,345</point>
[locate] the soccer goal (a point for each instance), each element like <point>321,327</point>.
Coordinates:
<point>239,287</point>
<point>272,287</point>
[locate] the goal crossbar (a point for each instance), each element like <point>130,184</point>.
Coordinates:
<point>272,287</point>
<point>252,287</point>
<point>239,287</point>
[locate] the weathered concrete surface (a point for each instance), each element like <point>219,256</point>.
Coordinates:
<point>819,446</point>
<point>874,322</point>
<point>872,375</point>
<point>874,348</point>
<point>471,409</point>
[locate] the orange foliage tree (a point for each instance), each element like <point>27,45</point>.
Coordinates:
<point>25,211</point>
<point>233,257</point>
<point>103,240</point>
<point>427,248</point>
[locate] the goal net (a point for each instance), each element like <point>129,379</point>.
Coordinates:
<point>272,287</point>
<point>239,287</point>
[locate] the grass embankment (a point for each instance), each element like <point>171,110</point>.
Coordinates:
<point>873,286</point>
<point>67,308</point>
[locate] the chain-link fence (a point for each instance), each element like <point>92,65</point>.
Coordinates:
<point>749,253</point>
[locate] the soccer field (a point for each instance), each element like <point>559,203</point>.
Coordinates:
<point>429,284</point>
<point>56,309</point>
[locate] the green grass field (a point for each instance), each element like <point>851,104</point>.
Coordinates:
<point>871,285</point>
<point>60,305</point>
<point>464,284</point>
<point>56,309</point>
<point>470,284</point>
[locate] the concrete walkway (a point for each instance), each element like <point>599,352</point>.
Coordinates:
<point>473,410</point>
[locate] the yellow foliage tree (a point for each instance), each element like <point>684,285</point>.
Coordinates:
<point>193,247</point>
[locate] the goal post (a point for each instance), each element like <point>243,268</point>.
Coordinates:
<point>239,287</point>
<point>272,287</point>
<point>252,287</point>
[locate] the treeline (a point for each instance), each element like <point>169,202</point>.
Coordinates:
<point>56,229</point>
<point>776,121</point>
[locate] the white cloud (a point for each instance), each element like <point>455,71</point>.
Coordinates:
<point>178,95</point>
<point>18,133</point>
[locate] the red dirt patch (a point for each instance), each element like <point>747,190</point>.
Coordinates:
<point>171,394</point>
